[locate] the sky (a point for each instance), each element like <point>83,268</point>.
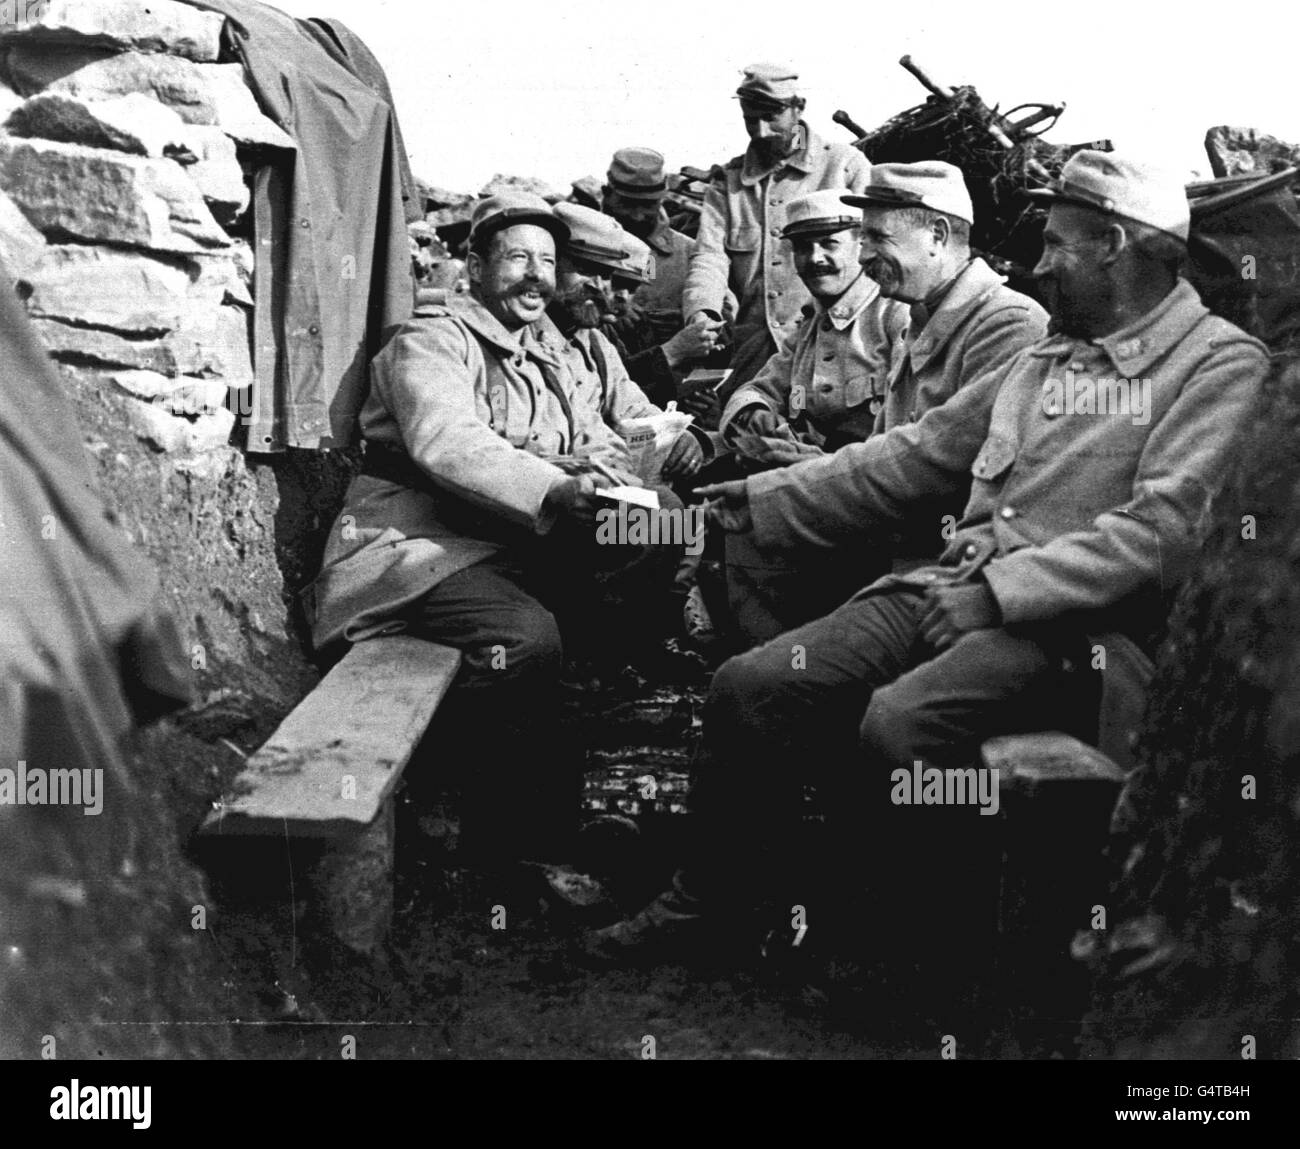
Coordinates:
<point>551,89</point>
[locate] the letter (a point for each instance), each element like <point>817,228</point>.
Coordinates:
<point>117,1102</point>
<point>990,791</point>
<point>7,787</point>
<point>932,791</point>
<point>142,1111</point>
<point>606,526</point>
<point>348,532</point>
<point>47,526</point>
<point>1142,406</point>
<point>1085,396</point>
<point>1248,1048</point>
<point>1247,267</point>
<point>948,1047</point>
<point>498,656</point>
<point>198,657</point>
<point>63,785</point>
<point>948,527</point>
<point>89,1107</point>
<point>348,1047</point>
<point>959,787</point>
<point>798,399</point>
<point>92,790</point>
<point>348,788</point>
<point>348,267</point>
<point>798,660</point>
<point>198,917</point>
<point>48,1050</point>
<point>638,534</point>
<point>1248,527</point>
<point>1053,404</point>
<point>36,795</point>
<point>498,917</point>
<point>649,787</point>
<point>1098,917</point>
<point>1248,786</point>
<point>1098,656</point>
<point>695,530</point>
<point>647,1048</point>
<point>1108,396</point>
<point>61,1109</point>
<point>901,794</point>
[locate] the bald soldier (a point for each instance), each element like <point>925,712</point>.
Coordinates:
<point>740,244</point>
<point>1093,456</point>
<point>465,527</point>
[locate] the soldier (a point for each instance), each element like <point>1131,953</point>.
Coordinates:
<point>740,244</point>
<point>1094,453</point>
<point>964,322</point>
<point>659,346</point>
<point>462,528</point>
<point>597,250</point>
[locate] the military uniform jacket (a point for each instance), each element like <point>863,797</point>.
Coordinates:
<point>837,365</point>
<point>1090,517</point>
<point>476,410</point>
<point>978,326</point>
<point>672,253</point>
<point>739,242</point>
<point>603,385</point>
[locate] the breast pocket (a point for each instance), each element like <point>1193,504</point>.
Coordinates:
<point>744,237</point>
<point>995,458</point>
<point>860,389</point>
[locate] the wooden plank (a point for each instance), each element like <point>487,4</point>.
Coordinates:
<point>332,763</point>
<point>1029,760</point>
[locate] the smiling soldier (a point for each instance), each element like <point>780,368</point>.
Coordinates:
<point>460,529</point>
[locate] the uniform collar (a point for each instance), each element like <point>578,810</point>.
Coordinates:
<point>1134,348</point>
<point>965,294</point>
<point>751,173</point>
<point>536,341</point>
<point>843,313</point>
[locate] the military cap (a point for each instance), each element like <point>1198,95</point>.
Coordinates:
<point>1124,187</point>
<point>931,183</point>
<point>639,263</point>
<point>508,208</point>
<point>593,236</point>
<point>821,213</point>
<point>637,173</point>
<point>771,84</point>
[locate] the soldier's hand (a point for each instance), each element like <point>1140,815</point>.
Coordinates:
<point>759,420</point>
<point>951,611</point>
<point>694,341</point>
<point>685,458</point>
<point>728,505</point>
<point>704,405</point>
<point>777,452</point>
<point>575,496</point>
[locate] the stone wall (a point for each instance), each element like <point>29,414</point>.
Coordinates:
<point>127,145</point>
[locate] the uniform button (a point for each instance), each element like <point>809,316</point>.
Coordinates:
<point>826,324</point>
<point>773,294</point>
<point>776,231</point>
<point>518,361</point>
<point>536,436</point>
<point>1008,512</point>
<point>971,550</point>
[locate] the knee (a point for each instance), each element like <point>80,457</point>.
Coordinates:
<point>890,732</point>
<point>744,696</point>
<point>529,646</point>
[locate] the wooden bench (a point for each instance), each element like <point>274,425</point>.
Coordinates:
<point>330,770</point>
<point>1056,797</point>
